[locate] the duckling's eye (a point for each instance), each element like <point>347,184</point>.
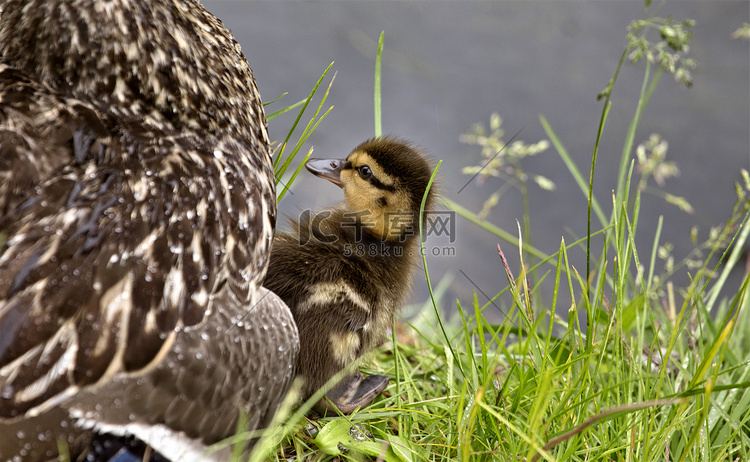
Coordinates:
<point>365,172</point>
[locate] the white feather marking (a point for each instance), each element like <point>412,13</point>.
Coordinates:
<point>201,209</point>
<point>178,445</point>
<point>180,38</point>
<point>50,251</point>
<point>196,158</point>
<point>230,243</point>
<point>150,324</point>
<point>140,189</point>
<point>146,243</point>
<point>224,184</point>
<point>200,298</point>
<point>131,51</point>
<point>326,292</point>
<point>62,366</point>
<point>344,346</point>
<point>195,247</point>
<point>115,306</point>
<point>119,90</point>
<point>174,285</point>
<point>55,401</point>
<point>73,216</point>
<point>160,57</point>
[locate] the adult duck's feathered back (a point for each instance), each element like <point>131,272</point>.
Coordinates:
<point>137,203</point>
<point>171,63</point>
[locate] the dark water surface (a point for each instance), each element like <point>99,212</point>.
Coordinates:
<point>448,65</point>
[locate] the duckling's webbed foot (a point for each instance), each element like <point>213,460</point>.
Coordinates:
<point>354,391</point>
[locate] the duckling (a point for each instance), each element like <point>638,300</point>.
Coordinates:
<point>345,271</point>
<point>137,209</point>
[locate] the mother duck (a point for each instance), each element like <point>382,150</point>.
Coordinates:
<point>137,208</point>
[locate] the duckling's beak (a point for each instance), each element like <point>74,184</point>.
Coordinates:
<point>330,169</point>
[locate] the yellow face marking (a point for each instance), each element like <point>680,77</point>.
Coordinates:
<point>385,212</point>
<point>359,159</point>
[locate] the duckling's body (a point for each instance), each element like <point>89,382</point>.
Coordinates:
<point>137,206</point>
<point>345,271</point>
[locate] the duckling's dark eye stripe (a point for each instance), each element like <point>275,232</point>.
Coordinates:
<point>375,182</point>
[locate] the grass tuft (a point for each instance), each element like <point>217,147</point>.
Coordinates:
<point>621,364</point>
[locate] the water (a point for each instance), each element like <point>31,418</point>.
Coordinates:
<point>448,65</point>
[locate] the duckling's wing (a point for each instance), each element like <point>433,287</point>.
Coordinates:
<point>117,248</point>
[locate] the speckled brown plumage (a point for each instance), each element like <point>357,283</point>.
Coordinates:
<point>344,272</point>
<point>137,202</point>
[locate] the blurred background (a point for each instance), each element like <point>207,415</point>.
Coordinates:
<point>449,65</point>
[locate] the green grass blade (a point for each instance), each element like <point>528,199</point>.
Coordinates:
<point>275,114</point>
<point>572,168</point>
<point>378,61</point>
<point>426,272</point>
<point>277,160</point>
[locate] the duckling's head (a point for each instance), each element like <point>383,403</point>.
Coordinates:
<point>384,180</point>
